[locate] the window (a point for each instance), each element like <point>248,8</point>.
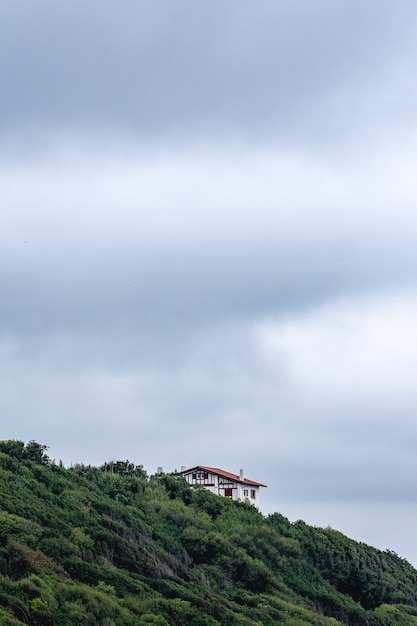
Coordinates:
<point>228,492</point>
<point>200,477</point>
<point>253,494</point>
<point>245,493</point>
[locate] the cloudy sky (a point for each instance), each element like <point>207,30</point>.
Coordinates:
<point>207,245</point>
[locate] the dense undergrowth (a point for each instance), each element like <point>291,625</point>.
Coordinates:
<point>113,546</point>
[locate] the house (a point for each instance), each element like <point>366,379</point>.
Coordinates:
<point>234,486</point>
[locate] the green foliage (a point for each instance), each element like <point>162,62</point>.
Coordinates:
<point>113,546</point>
<point>152,620</point>
<point>39,611</point>
<point>33,451</point>
<point>175,486</point>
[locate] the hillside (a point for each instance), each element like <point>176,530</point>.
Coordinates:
<point>113,546</point>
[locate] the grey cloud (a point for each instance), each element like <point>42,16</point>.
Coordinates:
<point>276,70</point>
<point>181,287</point>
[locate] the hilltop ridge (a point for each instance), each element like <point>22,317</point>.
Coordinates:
<point>83,545</point>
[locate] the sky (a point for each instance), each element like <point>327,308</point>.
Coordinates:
<point>207,245</point>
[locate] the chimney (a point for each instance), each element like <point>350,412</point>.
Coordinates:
<point>183,468</point>
<point>160,470</point>
<point>241,474</point>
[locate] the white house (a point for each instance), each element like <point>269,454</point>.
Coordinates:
<point>234,486</point>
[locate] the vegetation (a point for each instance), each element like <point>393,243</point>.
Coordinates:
<point>113,546</point>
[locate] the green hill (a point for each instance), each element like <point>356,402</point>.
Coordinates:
<point>113,546</point>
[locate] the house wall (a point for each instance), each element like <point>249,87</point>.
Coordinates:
<point>249,493</point>
<point>206,479</point>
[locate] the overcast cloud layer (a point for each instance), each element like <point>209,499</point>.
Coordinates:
<point>207,245</point>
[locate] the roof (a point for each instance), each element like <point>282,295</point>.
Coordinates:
<point>215,470</point>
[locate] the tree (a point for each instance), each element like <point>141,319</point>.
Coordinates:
<point>36,452</point>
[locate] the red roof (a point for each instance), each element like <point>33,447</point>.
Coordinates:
<point>219,472</point>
